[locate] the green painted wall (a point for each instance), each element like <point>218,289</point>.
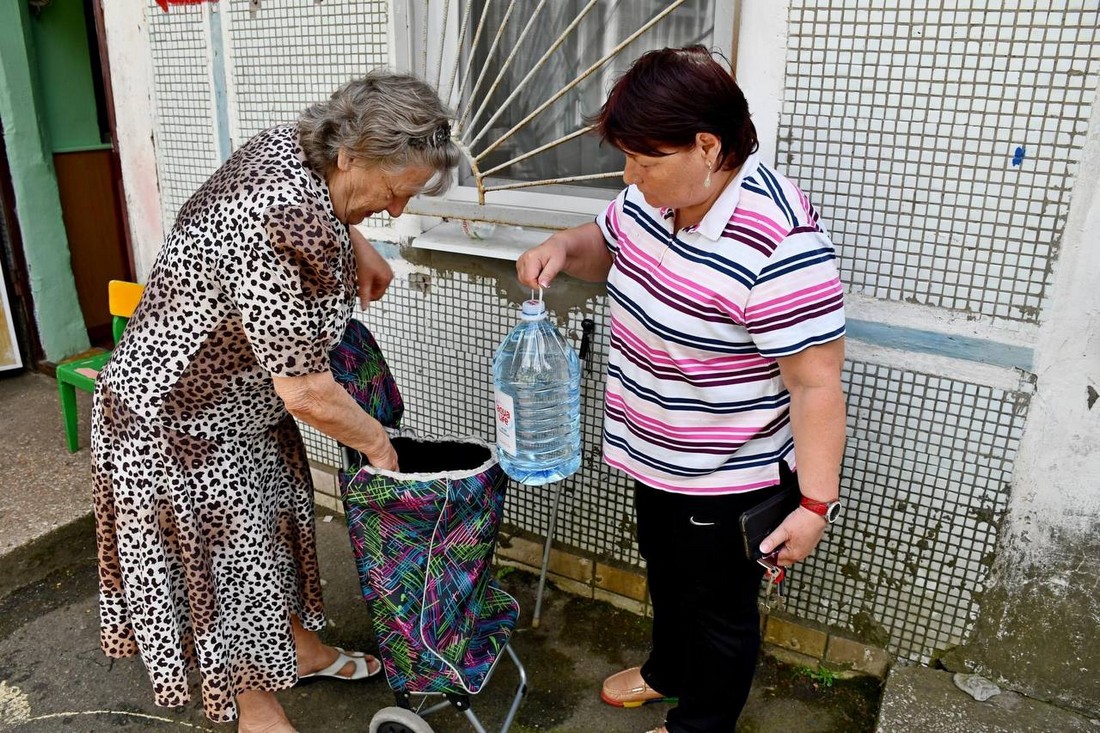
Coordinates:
<point>37,205</point>
<point>65,75</point>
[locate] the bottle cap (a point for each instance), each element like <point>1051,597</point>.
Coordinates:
<point>533,310</point>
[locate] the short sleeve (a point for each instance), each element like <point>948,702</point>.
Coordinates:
<point>797,301</point>
<point>608,222</point>
<point>281,285</point>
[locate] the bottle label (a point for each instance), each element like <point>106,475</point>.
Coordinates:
<point>506,423</point>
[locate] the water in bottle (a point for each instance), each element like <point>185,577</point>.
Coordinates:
<point>537,380</point>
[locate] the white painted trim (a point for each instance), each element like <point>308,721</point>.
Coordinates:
<point>1054,499</point>
<point>236,139</point>
<point>497,241</point>
<point>126,25</point>
<point>939,320</point>
<point>400,30</point>
<point>207,27</point>
<point>1010,380</point>
<point>760,67</point>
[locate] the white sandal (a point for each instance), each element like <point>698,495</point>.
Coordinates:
<point>360,667</point>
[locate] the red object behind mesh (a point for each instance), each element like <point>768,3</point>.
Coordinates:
<point>165,3</point>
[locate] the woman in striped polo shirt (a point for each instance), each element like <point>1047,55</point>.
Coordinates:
<point>724,373</point>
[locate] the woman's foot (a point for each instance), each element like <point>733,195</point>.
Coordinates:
<point>314,656</point>
<point>260,712</point>
<point>627,689</point>
<point>356,665</point>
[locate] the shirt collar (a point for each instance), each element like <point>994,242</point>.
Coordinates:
<point>721,211</point>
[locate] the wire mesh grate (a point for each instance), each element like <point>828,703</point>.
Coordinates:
<point>926,470</point>
<point>926,473</point>
<point>287,55</point>
<point>186,149</point>
<point>940,143</point>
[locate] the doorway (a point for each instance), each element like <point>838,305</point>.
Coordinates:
<point>77,108</point>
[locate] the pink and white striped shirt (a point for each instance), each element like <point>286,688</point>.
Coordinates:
<point>695,403</point>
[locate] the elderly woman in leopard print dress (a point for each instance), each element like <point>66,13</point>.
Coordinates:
<point>203,496</point>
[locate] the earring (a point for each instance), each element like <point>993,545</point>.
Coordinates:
<point>706,181</point>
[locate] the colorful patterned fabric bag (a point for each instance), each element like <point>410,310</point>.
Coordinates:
<point>424,541</point>
<point>359,366</point>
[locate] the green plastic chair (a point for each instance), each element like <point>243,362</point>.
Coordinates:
<point>77,374</point>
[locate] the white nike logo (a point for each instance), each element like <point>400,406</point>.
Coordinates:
<point>701,524</point>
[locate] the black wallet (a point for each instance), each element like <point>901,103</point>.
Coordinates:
<point>763,519</point>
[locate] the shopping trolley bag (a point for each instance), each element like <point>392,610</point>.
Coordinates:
<point>424,539</point>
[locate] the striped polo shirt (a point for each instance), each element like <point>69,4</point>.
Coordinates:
<point>695,403</point>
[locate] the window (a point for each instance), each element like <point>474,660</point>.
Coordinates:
<point>523,75</point>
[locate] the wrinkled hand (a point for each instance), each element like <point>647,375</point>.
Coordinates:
<point>538,266</point>
<point>380,452</point>
<point>799,534</point>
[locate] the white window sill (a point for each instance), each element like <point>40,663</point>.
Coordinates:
<point>481,239</point>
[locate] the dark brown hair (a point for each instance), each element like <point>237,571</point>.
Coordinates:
<point>668,96</point>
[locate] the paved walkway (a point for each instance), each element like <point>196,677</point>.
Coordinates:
<point>54,678</point>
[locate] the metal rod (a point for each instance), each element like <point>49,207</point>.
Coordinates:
<point>538,65</point>
<point>546,556</point>
<point>470,60</point>
<point>508,62</point>
<point>443,26</point>
<point>489,56</point>
<point>584,75</point>
<point>551,181</point>
<point>539,149</point>
<point>458,49</point>
<point>521,690</point>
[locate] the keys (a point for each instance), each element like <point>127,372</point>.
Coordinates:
<point>774,574</point>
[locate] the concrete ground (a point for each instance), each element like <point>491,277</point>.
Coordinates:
<point>53,676</point>
<point>927,700</point>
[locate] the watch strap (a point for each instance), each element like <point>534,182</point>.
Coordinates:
<point>826,509</point>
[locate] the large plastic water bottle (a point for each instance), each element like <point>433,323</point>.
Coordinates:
<point>537,380</point>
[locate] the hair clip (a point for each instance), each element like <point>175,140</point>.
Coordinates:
<point>437,139</point>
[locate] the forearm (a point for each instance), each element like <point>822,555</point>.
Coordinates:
<point>586,254</point>
<point>372,273</point>
<point>361,246</point>
<point>318,401</point>
<point>818,425</point>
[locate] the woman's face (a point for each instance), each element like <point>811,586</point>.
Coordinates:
<point>674,181</point>
<point>360,190</point>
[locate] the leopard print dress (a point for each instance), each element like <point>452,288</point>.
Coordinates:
<point>202,491</point>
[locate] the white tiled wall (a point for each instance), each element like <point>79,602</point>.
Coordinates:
<point>902,122</point>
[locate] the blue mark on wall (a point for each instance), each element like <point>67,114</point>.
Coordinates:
<point>1018,157</point>
<point>978,350</point>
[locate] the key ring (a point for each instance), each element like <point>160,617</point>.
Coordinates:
<point>774,571</point>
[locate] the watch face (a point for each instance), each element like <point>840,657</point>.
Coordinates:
<point>832,513</point>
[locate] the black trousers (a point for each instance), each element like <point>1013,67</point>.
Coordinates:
<point>706,625</point>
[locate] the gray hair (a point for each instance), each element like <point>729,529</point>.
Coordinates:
<point>393,120</point>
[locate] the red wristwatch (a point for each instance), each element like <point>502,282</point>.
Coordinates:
<point>828,509</point>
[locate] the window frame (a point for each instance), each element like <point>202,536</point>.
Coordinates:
<point>527,206</point>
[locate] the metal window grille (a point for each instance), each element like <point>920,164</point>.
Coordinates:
<point>523,77</point>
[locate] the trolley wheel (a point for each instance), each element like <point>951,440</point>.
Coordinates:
<point>398,720</point>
